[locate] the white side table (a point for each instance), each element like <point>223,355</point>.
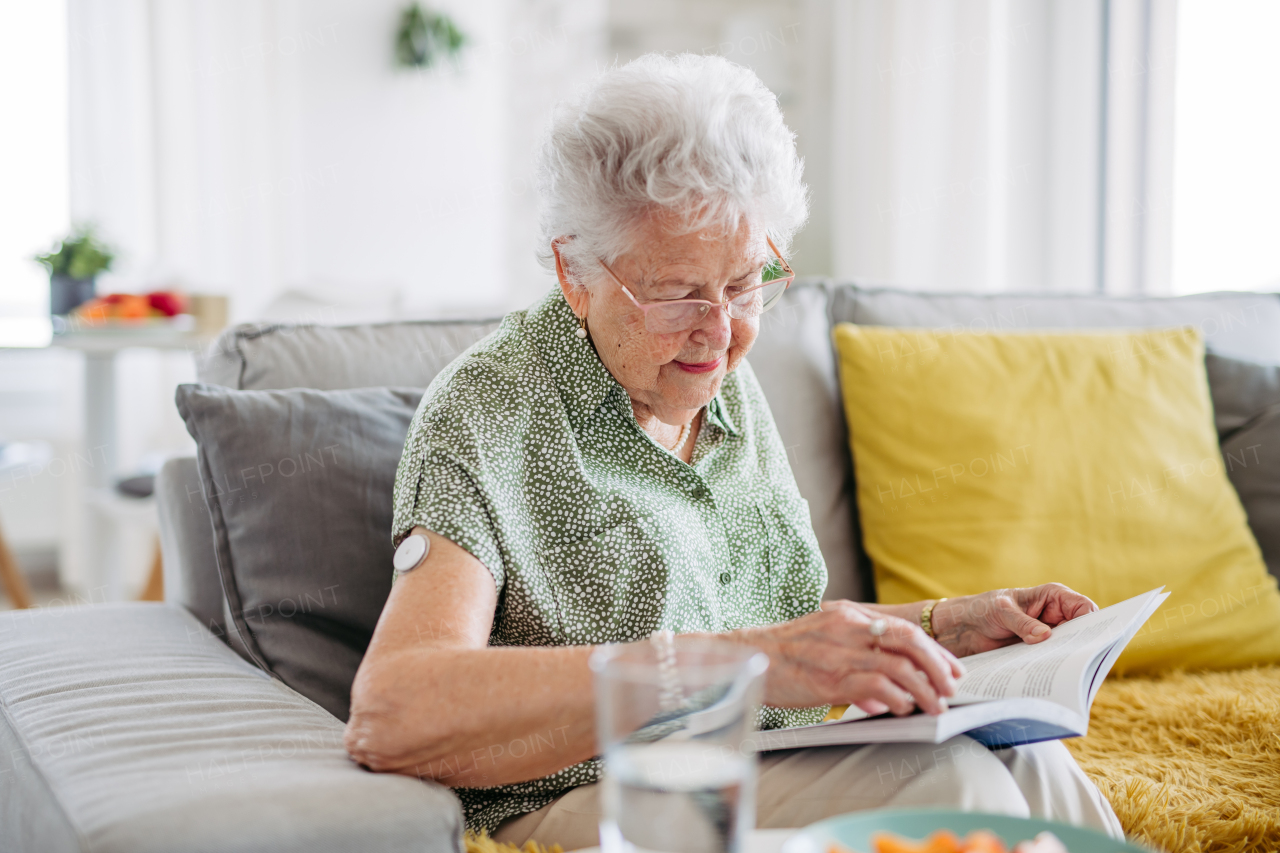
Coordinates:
<point>104,509</point>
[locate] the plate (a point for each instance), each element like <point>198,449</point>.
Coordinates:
<point>854,831</point>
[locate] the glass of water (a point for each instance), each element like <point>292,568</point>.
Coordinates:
<point>675,718</point>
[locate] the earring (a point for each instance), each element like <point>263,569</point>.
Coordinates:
<point>581,331</point>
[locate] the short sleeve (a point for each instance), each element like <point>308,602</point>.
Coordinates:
<point>436,491</point>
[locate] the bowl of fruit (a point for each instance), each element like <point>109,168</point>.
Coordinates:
<point>132,310</point>
<point>941,831</point>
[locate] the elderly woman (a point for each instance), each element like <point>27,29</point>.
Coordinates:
<point>605,465</point>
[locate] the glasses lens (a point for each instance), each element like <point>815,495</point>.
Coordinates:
<point>755,302</point>
<point>772,270</point>
<point>677,317</point>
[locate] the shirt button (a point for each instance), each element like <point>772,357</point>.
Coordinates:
<point>699,491</point>
<point>725,577</point>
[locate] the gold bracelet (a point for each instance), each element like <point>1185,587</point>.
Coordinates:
<point>926,617</point>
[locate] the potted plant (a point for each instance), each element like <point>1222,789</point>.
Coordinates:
<point>423,35</point>
<point>73,264</point>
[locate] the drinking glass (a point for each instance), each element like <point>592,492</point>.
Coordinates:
<point>676,717</point>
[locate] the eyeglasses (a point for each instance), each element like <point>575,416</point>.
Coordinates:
<point>666,316</point>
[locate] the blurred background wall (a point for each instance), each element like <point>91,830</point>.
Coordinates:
<point>272,151</point>
<point>253,146</point>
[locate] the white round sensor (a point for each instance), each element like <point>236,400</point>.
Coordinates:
<point>411,553</point>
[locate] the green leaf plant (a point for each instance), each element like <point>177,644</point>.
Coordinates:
<point>423,37</point>
<point>78,256</point>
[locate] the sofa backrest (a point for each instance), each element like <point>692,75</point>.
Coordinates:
<point>792,358</point>
<point>1238,325</point>
<point>272,356</point>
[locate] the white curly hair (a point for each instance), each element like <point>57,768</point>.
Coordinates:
<point>696,136</point>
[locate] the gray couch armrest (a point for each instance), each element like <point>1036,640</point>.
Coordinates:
<point>131,728</point>
<point>191,576</point>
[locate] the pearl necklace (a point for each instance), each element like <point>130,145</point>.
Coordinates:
<point>684,437</point>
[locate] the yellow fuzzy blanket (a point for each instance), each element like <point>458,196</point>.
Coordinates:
<point>1190,761</point>
<point>480,842</point>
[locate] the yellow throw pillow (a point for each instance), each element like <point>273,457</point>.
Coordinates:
<point>1090,459</point>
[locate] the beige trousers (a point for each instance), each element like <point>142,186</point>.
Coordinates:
<point>800,786</point>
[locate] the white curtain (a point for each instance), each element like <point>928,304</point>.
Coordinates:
<point>991,145</point>
<point>252,147</point>
<point>249,146</point>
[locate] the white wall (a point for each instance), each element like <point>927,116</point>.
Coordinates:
<point>250,147</point>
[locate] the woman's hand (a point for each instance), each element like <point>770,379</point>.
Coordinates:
<point>831,657</point>
<point>1001,617</point>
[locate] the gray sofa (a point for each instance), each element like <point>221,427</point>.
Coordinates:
<point>134,727</point>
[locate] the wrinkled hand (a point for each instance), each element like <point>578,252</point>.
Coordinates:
<point>1001,617</point>
<point>831,657</point>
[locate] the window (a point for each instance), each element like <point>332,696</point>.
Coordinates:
<point>1226,202</point>
<point>33,162</point>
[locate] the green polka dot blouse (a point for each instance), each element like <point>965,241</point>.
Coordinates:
<point>525,451</point>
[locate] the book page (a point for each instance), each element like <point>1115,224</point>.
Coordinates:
<point>1055,668</point>
<point>1108,657</point>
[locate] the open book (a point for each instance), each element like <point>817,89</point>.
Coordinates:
<point>1016,694</point>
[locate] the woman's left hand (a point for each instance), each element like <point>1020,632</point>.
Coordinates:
<point>1001,617</point>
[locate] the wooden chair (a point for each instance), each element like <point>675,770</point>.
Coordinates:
<point>15,583</point>
<point>154,590</point>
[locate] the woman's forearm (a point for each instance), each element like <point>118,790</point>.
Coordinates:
<point>474,717</point>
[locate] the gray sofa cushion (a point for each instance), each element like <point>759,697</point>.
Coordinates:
<point>1252,457</point>
<point>793,359</point>
<point>266,356</point>
<point>1239,325</point>
<point>129,728</point>
<point>298,484</point>
<point>186,543</point>
<point>1241,390</point>
<point>274,355</point>
<point>1246,407</point>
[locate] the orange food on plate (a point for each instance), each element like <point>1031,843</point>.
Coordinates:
<point>984,842</point>
<point>133,307</point>
<point>945,841</point>
<point>113,307</point>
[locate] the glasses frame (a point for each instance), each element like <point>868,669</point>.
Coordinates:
<point>646,307</point>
